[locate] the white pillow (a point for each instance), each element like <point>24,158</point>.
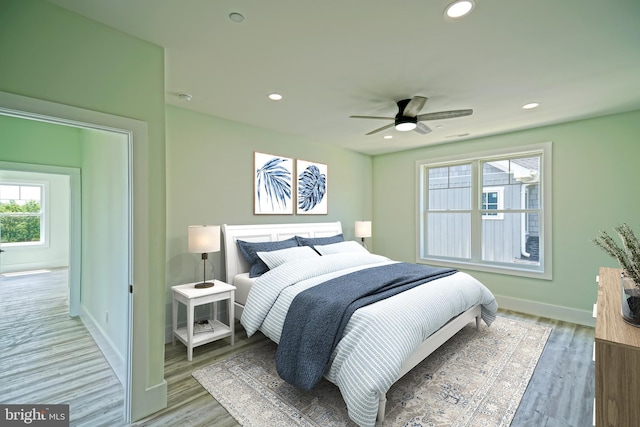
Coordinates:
<point>275,258</point>
<point>340,248</point>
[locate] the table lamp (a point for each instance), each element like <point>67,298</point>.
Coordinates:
<point>363,229</point>
<point>202,240</point>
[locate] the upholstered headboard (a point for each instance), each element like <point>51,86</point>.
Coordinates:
<point>235,263</point>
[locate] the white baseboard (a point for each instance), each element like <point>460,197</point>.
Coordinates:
<point>566,314</point>
<point>30,266</point>
<point>153,399</point>
<point>168,333</point>
<point>108,349</point>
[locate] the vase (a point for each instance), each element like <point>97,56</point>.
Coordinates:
<point>630,301</point>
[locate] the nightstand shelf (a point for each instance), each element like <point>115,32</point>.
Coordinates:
<point>191,297</point>
<point>220,330</point>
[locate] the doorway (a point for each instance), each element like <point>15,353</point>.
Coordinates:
<point>100,229</point>
<point>46,241</point>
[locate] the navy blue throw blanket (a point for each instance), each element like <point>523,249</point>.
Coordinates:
<point>317,316</point>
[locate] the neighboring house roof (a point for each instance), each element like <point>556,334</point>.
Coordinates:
<point>524,170</point>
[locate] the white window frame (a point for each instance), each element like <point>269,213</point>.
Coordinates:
<point>500,192</point>
<point>545,269</point>
<point>44,214</point>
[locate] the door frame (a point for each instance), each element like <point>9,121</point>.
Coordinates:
<point>135,132</point>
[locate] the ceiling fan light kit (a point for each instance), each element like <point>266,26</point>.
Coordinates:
<point>408,118</point>
<point>404,126</point>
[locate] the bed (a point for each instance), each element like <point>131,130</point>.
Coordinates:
<point>365,348</point>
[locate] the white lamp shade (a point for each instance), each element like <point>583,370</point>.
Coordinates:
<point>204,238</point>
<point>363,228</point>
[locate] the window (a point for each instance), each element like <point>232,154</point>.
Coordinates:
<point>492,202</point>
<point>21,213</point>
<point>489,212</point>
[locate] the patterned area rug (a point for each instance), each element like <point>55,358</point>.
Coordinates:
<point>474,379</point>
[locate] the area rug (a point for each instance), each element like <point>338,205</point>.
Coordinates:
<point>477,378</point>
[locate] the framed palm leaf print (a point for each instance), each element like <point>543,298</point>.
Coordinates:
<point>273,181</point>
<point>312,188</point>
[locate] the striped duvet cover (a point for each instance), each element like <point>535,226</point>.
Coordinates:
<point>379,337</point>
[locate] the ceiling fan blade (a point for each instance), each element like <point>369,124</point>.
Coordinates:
<point>414,106</point>
<point>422,128</point>
<point>445,115</point>
<point>381,129</point>
<point>372,117</point>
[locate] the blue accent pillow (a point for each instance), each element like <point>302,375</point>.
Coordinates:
<point>312,241</point>
<point>249,251</point>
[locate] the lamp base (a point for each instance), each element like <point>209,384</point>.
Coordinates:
<point>364,245</point>
<point>204,285</point>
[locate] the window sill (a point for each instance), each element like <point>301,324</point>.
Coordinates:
<point>25,245</point>
<point>488,268</point>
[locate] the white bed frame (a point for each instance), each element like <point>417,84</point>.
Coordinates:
<point>235,264</point>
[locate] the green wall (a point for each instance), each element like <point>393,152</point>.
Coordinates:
<point>54,55</point>
<point>30,141</point>
<point>105,245</point>
<point>594,173</point>
<point>210,181</point>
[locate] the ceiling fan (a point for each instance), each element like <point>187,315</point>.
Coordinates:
<point>409,119</point>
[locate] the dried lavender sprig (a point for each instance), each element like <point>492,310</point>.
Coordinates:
<point>631,246</point>
<point>629,256</point>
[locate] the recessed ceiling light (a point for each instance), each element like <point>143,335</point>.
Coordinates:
<point>387,137</point>
<point>185,97</point>
<point>531,105</point>
<point>459,8</point>
<point>275,96</point>
<point>236,17</point>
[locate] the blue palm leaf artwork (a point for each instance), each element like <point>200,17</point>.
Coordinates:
<point>312,187</point>
<point>273,186</point>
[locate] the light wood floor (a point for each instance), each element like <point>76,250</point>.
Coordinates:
<point>47,357</point>
<point>560,393</point>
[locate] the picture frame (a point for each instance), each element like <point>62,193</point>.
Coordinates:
<point>273,179</point>
<point>312,188</point>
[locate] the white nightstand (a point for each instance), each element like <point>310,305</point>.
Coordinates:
<point>192,297</point>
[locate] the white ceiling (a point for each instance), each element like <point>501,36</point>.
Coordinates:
<point>334,58</point>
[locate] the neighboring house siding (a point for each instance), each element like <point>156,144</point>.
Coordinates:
<point>502,236</point>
